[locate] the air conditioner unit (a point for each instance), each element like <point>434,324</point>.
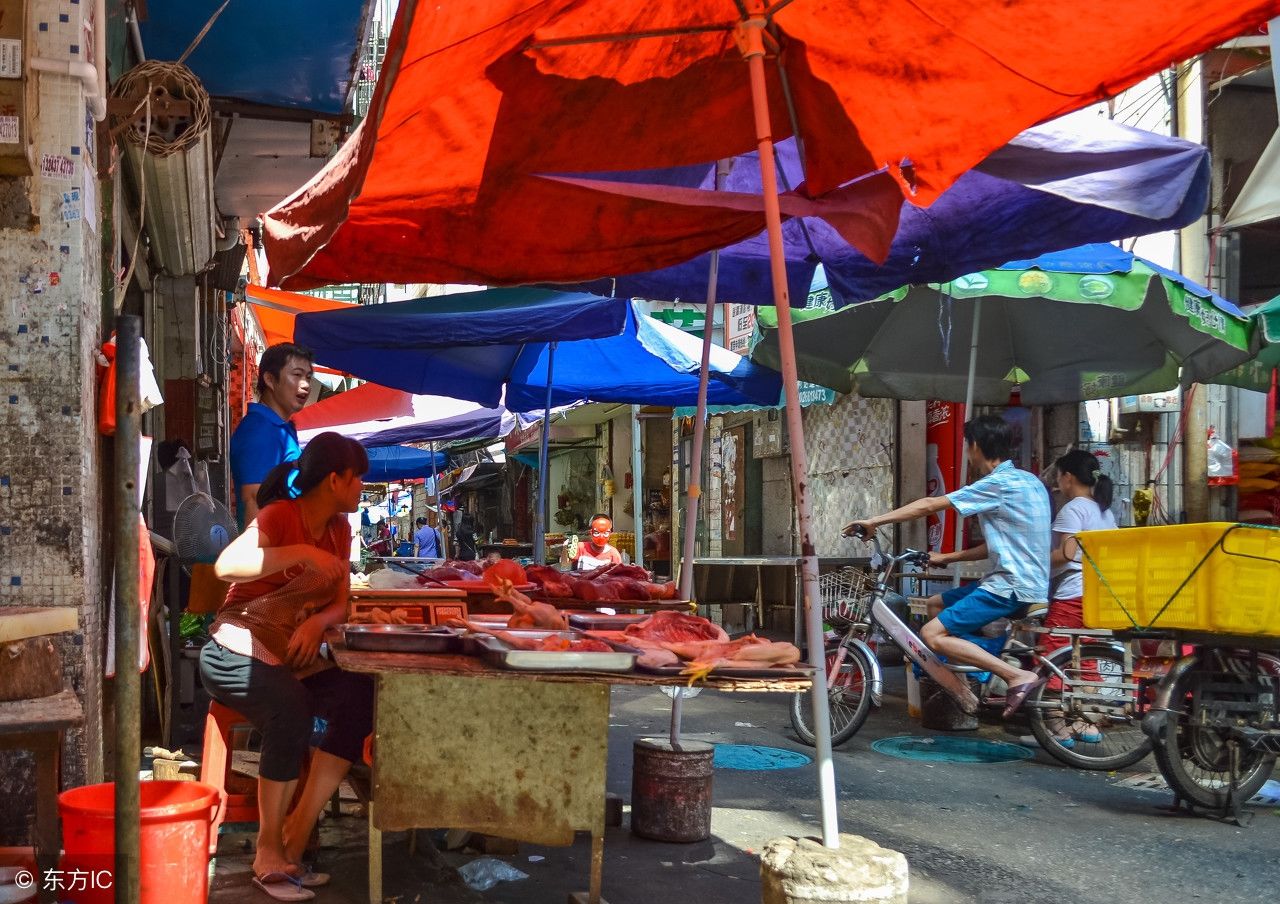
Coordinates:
<point>168,153</point>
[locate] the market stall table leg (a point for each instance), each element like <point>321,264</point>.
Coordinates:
<point>506,756</point>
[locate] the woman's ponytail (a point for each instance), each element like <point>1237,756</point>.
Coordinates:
<point>1104,491</point>
<point>1084,467</point>
<point>327,453</point>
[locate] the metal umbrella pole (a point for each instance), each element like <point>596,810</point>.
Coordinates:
<point>128,682</point>
<point>540,508</point>
<point>694,491</point>
<point>637,491</point>
<point>968,414</point>
<point>751,40</point>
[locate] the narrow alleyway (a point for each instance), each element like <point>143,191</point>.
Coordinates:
<point>1012,833</point>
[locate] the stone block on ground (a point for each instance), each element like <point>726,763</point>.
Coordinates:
<point>802,871</point>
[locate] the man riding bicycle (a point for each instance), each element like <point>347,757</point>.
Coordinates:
<point>1013,510</point>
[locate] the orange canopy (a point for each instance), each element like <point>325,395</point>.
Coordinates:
<point>441,182</point>
<point>276,310</point>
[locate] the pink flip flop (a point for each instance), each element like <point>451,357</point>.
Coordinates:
<point>1018,694</point>
<point>283,887</point>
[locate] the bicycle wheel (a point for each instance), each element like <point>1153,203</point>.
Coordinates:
<point>1108,736</point>
<point>848,699</point>
<point>1195,759</point>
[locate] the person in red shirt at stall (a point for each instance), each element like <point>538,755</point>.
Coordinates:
<point>596,551</point>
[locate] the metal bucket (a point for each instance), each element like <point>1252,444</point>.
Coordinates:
<point>671,790</point>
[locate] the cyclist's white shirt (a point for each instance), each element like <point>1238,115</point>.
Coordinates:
<point>1079,514</point>
<point>1013,509</point>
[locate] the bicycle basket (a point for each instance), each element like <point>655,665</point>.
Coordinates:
<point>846,596</point>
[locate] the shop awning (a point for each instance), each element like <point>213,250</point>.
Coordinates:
<point>1259,200</point>
<point>378,415</point>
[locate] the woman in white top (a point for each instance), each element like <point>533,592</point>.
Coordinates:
<point>1086,495</point>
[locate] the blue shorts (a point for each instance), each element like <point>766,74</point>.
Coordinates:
<point>969,609</point>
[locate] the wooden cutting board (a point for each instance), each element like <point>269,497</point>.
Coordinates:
<point>21,622</point>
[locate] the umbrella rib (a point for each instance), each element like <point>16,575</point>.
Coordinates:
<point>624,36</point>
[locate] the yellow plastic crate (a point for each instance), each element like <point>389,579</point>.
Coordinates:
<point>1236,591</point>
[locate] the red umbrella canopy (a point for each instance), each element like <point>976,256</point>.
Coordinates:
<point>441,181</point>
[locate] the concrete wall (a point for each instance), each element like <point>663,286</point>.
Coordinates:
<point>51,496</point>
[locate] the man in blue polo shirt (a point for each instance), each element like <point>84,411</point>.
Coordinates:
<point>1013,510</point>
<point>266,437</point>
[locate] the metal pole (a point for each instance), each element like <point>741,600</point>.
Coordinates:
<point>968,414</point>
<point>637,491</point>
<point>540,510</point>
<point>700,421</point>
<point>689,538</point>
<point>751,40</point>
<point>128,683</point>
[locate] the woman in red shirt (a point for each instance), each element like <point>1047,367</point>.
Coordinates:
<point>290,581</point>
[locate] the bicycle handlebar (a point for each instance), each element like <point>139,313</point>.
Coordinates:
<point>915,557</point>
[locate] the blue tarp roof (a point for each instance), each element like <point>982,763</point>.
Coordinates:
<point>402,463</point>
<point>473,345</point>
<point>287,53</point>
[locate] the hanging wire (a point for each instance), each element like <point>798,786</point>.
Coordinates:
<point>945,311</point>
<point>195,42</point>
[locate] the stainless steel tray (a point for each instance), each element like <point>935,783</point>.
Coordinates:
<point>403,638</point>
<point>791,671</point>
<point>600,621</point>
<point>504,656</point>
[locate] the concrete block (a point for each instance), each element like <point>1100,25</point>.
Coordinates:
<point>802,871</point>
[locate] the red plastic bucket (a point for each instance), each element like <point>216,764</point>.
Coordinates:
<point>173,843</point>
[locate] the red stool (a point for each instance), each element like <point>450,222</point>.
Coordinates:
<point>239,792</point>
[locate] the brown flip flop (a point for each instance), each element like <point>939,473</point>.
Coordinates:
<point>1017,695</point>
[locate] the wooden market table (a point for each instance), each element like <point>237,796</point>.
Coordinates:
<point>460,744</point>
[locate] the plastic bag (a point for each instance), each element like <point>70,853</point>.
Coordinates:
<point>1223,468</point>
<point>485,873</point>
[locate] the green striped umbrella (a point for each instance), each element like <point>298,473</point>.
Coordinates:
<point>1256,374</point>
<point>1092,322</point>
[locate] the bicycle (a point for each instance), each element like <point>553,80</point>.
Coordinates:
<point>1092,679</point>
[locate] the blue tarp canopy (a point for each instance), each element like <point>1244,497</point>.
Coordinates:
<point>402,463</point>
<point>462,346</point>
<point>650,363</point>
<point>288,53</point>
<point>1055,186</point>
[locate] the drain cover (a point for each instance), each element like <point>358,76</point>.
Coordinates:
<point>750,758</point>
<point>951,750</point>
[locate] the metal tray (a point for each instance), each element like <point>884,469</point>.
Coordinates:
<point>503,656</point>
<point>673,671</point>
<point>403,638</point>
<point>599,621</point>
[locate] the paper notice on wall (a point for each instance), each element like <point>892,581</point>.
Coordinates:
<point>10,130</point>
<point>57,166</point>
<point>89,201</point>
<point>10,58</point>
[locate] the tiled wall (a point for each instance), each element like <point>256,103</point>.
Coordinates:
<point>851,466</point>
<point>51,550</point>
